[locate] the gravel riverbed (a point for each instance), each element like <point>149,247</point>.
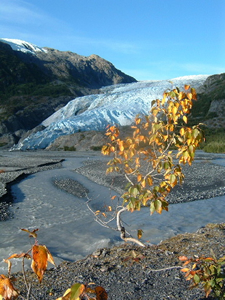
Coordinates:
<point>115,269</point>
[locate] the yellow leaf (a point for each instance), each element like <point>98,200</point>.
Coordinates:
<point>185,119</point>
<point>76,290</point>
<point>174,110</point>
<point>139,233</point>
<point>66,295</point>
<point>189,95</point>
<point>143,183</point>
<point>121,147</point>
<point>31,233</point>
<point>182,131</point>
<point>73,293</point>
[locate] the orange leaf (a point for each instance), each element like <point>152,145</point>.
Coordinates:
<point>186,87</point>
<point>183,258</point>
<point>41,256</point>
<point>139,177</point>
<point>185,270</point>
<point>101,293</point>
<point>7,290</point>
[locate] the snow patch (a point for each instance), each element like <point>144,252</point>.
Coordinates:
<point>19,45</point>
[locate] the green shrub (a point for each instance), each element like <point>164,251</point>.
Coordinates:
<point>215,141</point>
<point>96,148</point>
<point>215,147</point>
<point>67,148</point>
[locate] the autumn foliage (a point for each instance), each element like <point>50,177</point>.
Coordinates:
<point>151,159</point>
<point>206,272</point>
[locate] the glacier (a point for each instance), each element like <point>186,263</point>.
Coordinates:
<point>114,105</point>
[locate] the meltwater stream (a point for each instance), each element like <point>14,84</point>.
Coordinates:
<point>67,227</point>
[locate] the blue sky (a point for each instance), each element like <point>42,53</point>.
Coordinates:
<point>147,39</point>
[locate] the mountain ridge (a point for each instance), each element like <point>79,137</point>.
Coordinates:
<point>38,81</point>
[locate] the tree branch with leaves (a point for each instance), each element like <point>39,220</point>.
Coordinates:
<point>151,159</point>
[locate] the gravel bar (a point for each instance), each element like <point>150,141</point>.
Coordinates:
<point>203,180</point>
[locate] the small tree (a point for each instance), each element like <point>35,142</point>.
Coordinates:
<point>151,159</point>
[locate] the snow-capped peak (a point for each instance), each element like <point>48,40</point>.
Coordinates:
<point>19,45</point>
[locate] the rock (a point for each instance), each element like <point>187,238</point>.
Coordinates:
<point>80,141</point>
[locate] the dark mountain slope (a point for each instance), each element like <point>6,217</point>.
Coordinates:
<point>34,85</point>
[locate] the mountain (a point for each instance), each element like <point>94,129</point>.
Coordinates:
<point>116,104</point>
<point>210,107</point>
<point>35,82</point>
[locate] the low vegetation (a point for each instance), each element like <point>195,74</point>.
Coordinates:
<point>67,148</point>
<point>206,272</point>
<point>215,141</point>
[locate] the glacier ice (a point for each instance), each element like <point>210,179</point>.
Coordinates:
<point>116,104</point>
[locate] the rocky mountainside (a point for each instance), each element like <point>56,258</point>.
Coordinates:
<point>210,107</point>
<point>35,82</point>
